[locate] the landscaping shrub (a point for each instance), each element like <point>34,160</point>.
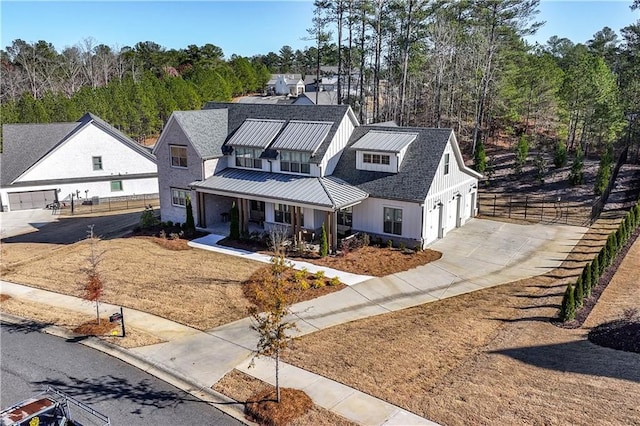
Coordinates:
<point>587,281</point>
<point>190,225</point>
<point>324,244</point>
<point>480,158</point>
<point>334,281</point>
<point>568,308</point>
<point>603,261</point>
<point>578,293</point>
<point>595,272</point>
<point>541,167</point>
<point>576,175</point>
<point>148,218</point>
<point>560,154</point>
<point>521,151</point>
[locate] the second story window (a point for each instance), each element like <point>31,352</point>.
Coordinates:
<point>375,159</point>
<point>446,164</point>
<point>97,163</point>
<point>179,156</point>
<point>296,162</point>
<point>248,157</point>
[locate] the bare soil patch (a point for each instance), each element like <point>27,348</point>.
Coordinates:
<point>198,288</point>
<point>488,357</point>
<point>244,388</point>
<point>71,320</point>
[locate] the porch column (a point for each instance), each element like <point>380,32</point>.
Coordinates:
<point>202,222</point>
<point>334,230</point>
<point>244,227</point>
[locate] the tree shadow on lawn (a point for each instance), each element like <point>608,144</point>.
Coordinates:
<point>582,357</point>
<point>111,388</point>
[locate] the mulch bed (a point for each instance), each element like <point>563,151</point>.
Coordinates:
<point>92,328</point>
<point>264,409</point>
<point>622,334</point>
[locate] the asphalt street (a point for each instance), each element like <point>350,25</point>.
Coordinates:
<point>31,360</point>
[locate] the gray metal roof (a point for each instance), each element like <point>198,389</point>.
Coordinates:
<point>24,145</point>
<point>328,192</point>
<point>302,136</point>
<point>256,133</point>
<point>206,129</point>
<point>384,141</point>
<point>418,168</point>
<point>238,113</point>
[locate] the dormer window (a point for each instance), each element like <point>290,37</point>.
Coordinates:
<point>248,157</point>
<point>376,159</point>
<point>295,162</point>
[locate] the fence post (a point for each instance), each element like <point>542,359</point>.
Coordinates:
<point>509,206</point>
<point>494,205</point>
<point>526,205</point>
<point>542,210</point>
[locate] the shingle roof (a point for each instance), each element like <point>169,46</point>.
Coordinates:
<point>25,144</point>
<point>413,180</point>
<point>206,129</point>
<point>329,192</point>
<point>303,136</point>
<point>384,141</point>
<point>238,113</point>
<point>256,133</point>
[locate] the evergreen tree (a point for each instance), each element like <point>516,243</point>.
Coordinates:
<point>579,292</point>
<point>587,281</point>
<point>595,272</point>
<point>324,244</point>
<point>611,249</point>
<point>568,307</point>
<point>521,151</point>
<point>576,175</point>
<point>234,215</point>
<point>604,171</point>
<point>190,225</point>
<point>560,154</point>
<point>480,158</point>
<point>603,259</point>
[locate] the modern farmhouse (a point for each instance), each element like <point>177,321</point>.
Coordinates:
<point>45,163</point>
<point>304,166</point>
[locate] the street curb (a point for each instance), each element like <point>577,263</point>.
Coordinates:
<point>223,403</point>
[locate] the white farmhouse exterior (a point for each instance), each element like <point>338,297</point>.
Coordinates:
<point>305,166</point>
<point>43,163</point>
<point>286,84</point>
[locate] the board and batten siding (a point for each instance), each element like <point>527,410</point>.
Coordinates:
<point>337,145</point>
<point>175,177</point>
<point>450,200</point>
<point>368,216</point>
<point>74,159</point>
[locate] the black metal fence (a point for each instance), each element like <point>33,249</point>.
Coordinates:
<point>106,204</point>
<point>534,208</point>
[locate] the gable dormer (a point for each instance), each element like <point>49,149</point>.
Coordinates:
<point>382,151</point>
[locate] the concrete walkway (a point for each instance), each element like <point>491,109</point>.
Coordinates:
<point>479,255</point>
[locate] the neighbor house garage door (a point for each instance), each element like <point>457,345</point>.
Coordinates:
<point>31,199</point>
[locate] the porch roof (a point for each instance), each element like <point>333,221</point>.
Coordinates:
<point>328,192</point>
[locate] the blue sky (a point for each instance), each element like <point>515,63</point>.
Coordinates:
<point>241,27</point>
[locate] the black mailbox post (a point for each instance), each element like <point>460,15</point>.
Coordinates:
<point>118,316</point>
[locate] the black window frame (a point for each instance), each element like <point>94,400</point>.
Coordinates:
<point>177,160</point>
<point>97,165</point>
<point>248,158</point>
<point>392,221</point>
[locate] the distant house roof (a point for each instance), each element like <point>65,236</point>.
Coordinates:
<point>303,136</point>
<point>324,98</point>
<point>238,113</point>
<point>288,78</point>
<point>206,129</point>
<point>256,133</point>
<point>416,173</point>
<point>384,141</point>
<point>328,192</point>
<point>25,144</point>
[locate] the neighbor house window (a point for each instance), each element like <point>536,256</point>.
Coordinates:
<point>248,157</point>
<point>392,221</point>
<point>297,162</point>
<point>345,216</point>
<point>179,156</point>
<point>116,185</point>
<point>446,164</point>
<point>97,163</point>
<point>376,159</point>
<point>179,197</point>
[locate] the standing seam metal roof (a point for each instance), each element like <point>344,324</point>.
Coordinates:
<point>256,133</point>
<point>384,141</point>
<point>328,192</point>
<point>302,136</point>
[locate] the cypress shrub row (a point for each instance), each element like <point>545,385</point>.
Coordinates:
<point>576,292</point>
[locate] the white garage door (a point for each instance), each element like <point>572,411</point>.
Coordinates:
<point>31,199</point>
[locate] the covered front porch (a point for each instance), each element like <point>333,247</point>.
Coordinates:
<point>266,201</point>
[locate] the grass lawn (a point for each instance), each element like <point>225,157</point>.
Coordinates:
<point>492,356</point>
<point>195,287</point>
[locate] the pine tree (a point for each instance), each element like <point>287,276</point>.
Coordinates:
<point>587,281</point>
<point>560,154</point>
<point>234,233</point>
<point>189,225</point>
<point>568,310</point>
<point>480,158</point>
<point>578,293</point>
<point>576,175</point>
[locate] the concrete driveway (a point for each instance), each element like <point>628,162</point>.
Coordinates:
<point>24,221</point>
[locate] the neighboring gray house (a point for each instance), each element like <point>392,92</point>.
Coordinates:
<point>44,163</point>
<point>303,166</point>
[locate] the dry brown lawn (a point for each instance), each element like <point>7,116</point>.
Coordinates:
<point>242,388</point>
<point>195,287</point>
<point>72,321</point>
<point>492,356</point>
